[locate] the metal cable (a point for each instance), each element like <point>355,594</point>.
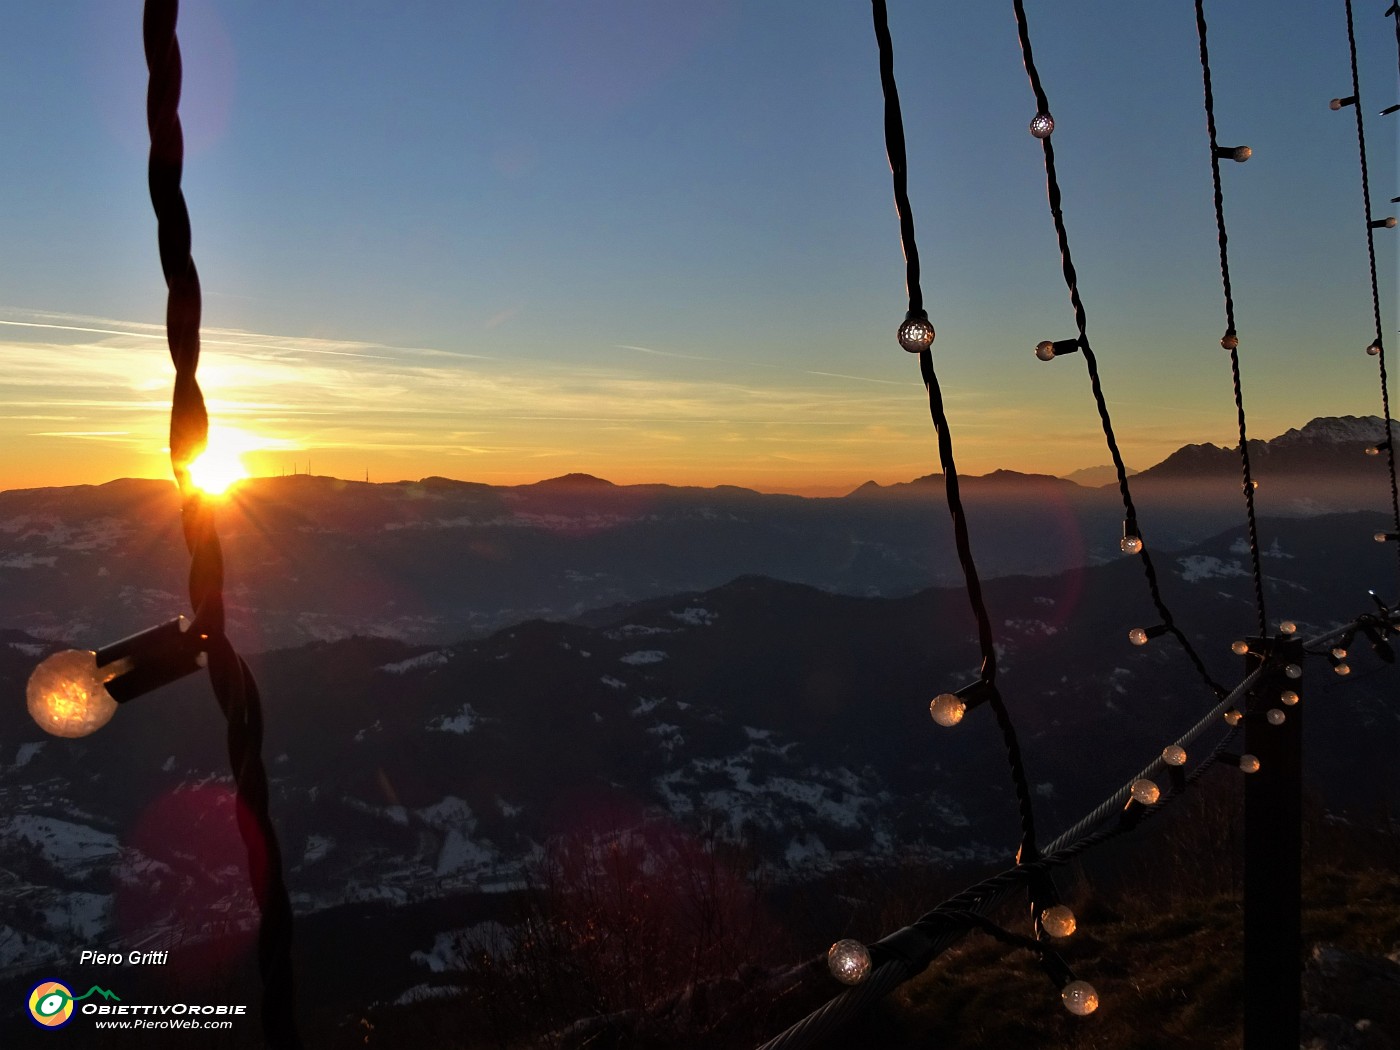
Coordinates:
<point>894,147</point>
<point>1371,255</point>
<point>229,676</point>
<point>1052,186</point>
<point>1231,340</point>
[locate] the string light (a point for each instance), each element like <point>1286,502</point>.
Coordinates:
<point>948,709</point>
<point>1145,792</point>
<point>1230,340</point>
<point>1288,697</point>
<point>916,333</point>
<point>1058,921</point>
<point>1042,125</point>
<point>1080,998</point>
<point>1239,648</point>
<point>1131,543</point>
<point>1233,716</point>
<point>1174,755</point>
<point>1249,764</point>
<point>1288,627</point>
<point>1386,537</point>
<point>1141,635</point>
<point>1276,717</point>
<point>1239,154</point>
<point>1339,652</point>
<point>1048,351</point>
<point>1373,348</point>
<point>1338,103</point>
<point>1293,671</point>
<point>849,961</point>
<point>1388,223</point>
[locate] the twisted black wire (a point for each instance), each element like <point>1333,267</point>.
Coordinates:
<point>894,147</point>
<point>1052,187</point>
<point>1394,11</point>
<point>1371,255</point>
<point>1230,334</point>
<point>229,676</point>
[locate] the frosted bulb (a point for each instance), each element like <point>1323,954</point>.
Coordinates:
<point>1293,671</point>
<point>849,961</point>
<point>1240,154</point>
<point>67,694</point>
<point>1288,627</point>
<point>1374,349</point>
<point>1239,648</point>
<point>1249,764</point>
<point>947,709</point>
<point>1339,652</point>
<point>1080,998</point>
<point>1371,450</point>
<point>1145,792</point>
<point>1379,537</point>
<point>1174,755</point>
<point>1233,717</point>
<point>1130,544</point>
<point>916,334</point>
<point>1045,350</point>
<point>1229,341</point>
<point>1288,698</point>
<point>1338,103</point>
<point>1275,716</point>
<point>1388,223</point>
<point>1342,669</point>
<point>1042,125</point>
<point>1058,921</point>
<point>1137,636</point>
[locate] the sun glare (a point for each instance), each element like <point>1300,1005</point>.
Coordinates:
<point>220,466</point>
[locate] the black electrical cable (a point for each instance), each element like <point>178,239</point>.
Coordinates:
<point>894,147</point>
<point>1231,340</point>
<point>229,676</point>
<point>1052,186</point>
<point>1371,254</point>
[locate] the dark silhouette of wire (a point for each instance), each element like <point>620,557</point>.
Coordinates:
<point>1371,255</point>
<point>1231,340</point>
<point>894,147</point>
<point>1052,186</point>
<point>229,676</point>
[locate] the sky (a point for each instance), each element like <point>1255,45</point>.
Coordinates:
<point>654,240</point>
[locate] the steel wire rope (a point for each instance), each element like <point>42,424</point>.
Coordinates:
<point>229,676</point>
<point>1371,256</point>
<point>1231,340</point>
<point>1052,186</point>
<point>898,161</point>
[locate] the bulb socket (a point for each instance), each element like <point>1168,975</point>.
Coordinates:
<point>154,657</point>
<point>1339,103</point>
<point>1239,154</point>
<point>1388,223</point>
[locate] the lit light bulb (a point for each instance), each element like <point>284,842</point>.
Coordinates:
<point>1240,154</point>
<point>1145,792</point>
<point>1338,103</point>
<point>1130,544</point>
<point>1229,341</point>
<point>1293,671</point>
<point>1138,636</point>
<point>1233,716</point>
<point>67,693</point>
<point>1174,755</point>
<point>1342,669</point>
<point>1374,349</point>
<point>1371,450</point>
<point>1288,698</point>
<point>1239,648</point>
<point>947,709</point>
<point>849,961</point>
<point>916,333</point>
<point>1042,125</point>
<point>1288,627</point>
<point>1379,537</point>
<point>1080,998</point>
<point>1045,350</point>
<point>1339,653</point>
<point>1388,223</point>
<point>1275,717</point>
<point>1058,921</point>
<point>1249,764</point>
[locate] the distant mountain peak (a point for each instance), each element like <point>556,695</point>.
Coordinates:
<point>575,480</point>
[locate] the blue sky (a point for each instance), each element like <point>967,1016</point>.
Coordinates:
<point>654,240</point>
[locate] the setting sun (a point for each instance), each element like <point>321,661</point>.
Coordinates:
<point>216,469</point>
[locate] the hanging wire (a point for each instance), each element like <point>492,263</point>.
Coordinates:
<point>1052,187</point>
<point>229,676</point>
<point>1231,340</point>
<point>1371,255</point>
<point>894,148</point>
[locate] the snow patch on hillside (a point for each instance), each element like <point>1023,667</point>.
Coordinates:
<point>643,656</point>
<point>1197,567</point>
<point>434,659</point>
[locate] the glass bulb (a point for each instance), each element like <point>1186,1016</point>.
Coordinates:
<point>1371,450</point>
<point>1239,648</point>
<point>1288,697</point>
<point>1288,627</point>
<point>947,709</point>
<point>66,693</point>
<point>1080,998</point>
<point>1174,755</point>
<point>1130,544</point>
<point>1336,104</point>
<point>1388,222</point>
<point>1342,669</point>
<point>916,334</point>
<point>1379,537</point>
<point>849,961</point>
<point>1042,125</point>
<point>1249,764</point>
<point>1339,652</point>
<point>1145,792</point>
<point>1275,717</point>
<point>1229,341</point>
<point>1293,671</point>
<point>1058,921</point>
<point>1240,154</point>
<point>1233,717</point>
<point>1138,636</point>
<point>1374,349</point>
<point>1045,350</point>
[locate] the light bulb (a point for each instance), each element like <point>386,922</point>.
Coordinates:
<point>1379,537</point>
<point>1293,671</point>
<point>1371,450</point>
<point>1275,717</point>
<point>1145,792</point>
<point>1338,103</point>
<point>1058,921</point>
<point>1288,698</point>
<point>1233,716</point>
<point>1045,350</point>
<point>1130,544</point>
<point>67,693</point>
<point>1338,652</point>
<point>1342,669</point>
<point>1388,223</point>
<point>1080,998</point>
<point>1249,764</point>
<point>1042,125</point>
<point>1138,636</point>
<point>1374,349</point>
<point>947,709</point>
<point>1288,627</point>
<point>1174,755</point>
<point>849,961</point>
<point>1239,648</point>
<point>1240,154</point>
<point>1230,341</point>
<point>916,334</point>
